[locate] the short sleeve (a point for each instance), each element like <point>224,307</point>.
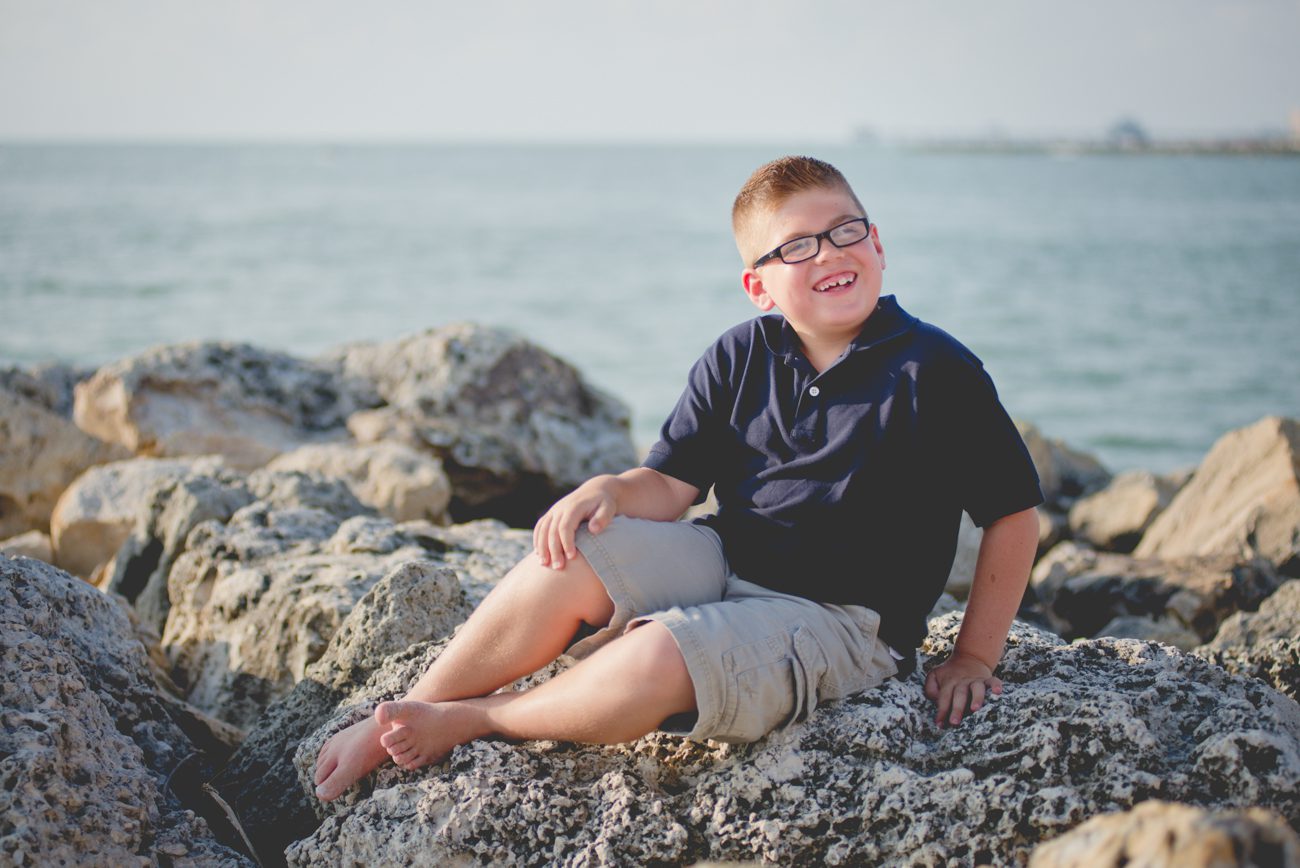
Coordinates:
<point>689,442</point>
<point>992,472</point>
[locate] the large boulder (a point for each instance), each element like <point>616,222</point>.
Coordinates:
<point>1082,590</point>
<point>33,544</point>
<point>41,453</point>
<point>407,607</point>
<point>1080,729</point>
<point>1179,836</point>
<point>1064,472</point>
<point>235,400</point>
<point>49,384</point>
<point>97,512</point>
<point>514,426</point>
<point>1243,500</point>
<point>1115,518</point>
<point>1263,644</point>
<point>91,756</point>
<point>398,481</point>
<point>172,509</point>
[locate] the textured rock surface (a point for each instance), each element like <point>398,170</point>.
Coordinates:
<point>236,400</point>
<point>515,427</point>
<point>399,482</point>
<point>163,523</point>
<point>33,544</point>
<point>1263,644</point>
<point>41,453</point>
<point>1166,630</point>
<point>49,385</point>
<point>413,604</point>
<point>1081,729</point>
<point>1082,590</point>
<point>97,512</point>
<point>1115,518</point>
<point>1158,833</point>
<point>1244,499</point>
<point>87,746</point>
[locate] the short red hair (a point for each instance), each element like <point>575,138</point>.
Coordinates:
<point>771,185</point>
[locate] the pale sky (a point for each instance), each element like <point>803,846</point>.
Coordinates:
<point>612,70</point>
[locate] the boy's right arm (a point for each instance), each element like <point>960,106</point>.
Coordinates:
<point>638,493</point>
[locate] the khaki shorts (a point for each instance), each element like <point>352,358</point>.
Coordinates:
<point>759,659</point>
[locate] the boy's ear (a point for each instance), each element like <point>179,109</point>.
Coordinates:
<point>753,285</point>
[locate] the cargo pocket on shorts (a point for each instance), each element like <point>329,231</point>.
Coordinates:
<point>773,683</point>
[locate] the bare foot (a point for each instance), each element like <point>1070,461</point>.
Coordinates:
<point>348,756</point>
<point>418,733</point>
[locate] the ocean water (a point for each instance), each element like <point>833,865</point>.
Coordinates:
<point>1135,306</point>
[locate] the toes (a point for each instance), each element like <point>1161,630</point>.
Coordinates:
<point>390,712</point>
<point>396,737</point>
<point>404,757</point>
<point>323,770</point>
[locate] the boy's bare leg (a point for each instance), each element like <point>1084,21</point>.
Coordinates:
<point>523,624</point>
<point>620,693</point>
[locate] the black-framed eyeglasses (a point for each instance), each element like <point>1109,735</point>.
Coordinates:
<point>808,246</point>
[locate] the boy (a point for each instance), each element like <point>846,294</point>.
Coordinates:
<point>843,440</point>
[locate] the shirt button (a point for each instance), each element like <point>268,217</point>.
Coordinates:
<point>814,391</point>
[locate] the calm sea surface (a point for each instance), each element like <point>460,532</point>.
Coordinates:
<point>1136,306</point>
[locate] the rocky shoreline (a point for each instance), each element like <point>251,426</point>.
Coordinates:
<point>213,556</point>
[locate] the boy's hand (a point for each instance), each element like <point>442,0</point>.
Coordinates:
<point>593,502</point>
<point>960,678</point>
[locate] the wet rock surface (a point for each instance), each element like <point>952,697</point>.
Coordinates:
<point>1081,729</point>
<point>90,757</point>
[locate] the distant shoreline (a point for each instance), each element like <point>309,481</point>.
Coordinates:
<point>1243,147</point>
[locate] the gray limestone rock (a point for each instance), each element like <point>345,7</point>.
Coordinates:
<point>1064,472</point>
<point>91,758</point>
<point>410,606</point>
<point>1115,518</point>
<point>41,453</point>
<point>165,518</point>
<point>514,426</point>
<point>1263,644</point>
<point>1080,729</point>
<point>1243,500</point>
<point>1159,833</point>
<point>50,384</point>
<point>1165,630</point>
<point>97,512</point>
<point>396,480</point>
<point>1082,590</point>
<point>235,400</point>
<point>33,544</point>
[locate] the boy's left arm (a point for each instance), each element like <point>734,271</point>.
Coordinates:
<point>1001,574</point>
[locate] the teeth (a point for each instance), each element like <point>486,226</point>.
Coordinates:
<point>843,281</point>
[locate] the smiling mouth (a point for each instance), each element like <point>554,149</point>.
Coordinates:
<point>837,281</point>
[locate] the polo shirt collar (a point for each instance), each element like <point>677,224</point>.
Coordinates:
<point>886,322</point>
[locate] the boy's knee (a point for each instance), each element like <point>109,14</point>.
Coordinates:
<point>657,652</point>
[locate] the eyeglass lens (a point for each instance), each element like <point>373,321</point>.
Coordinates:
<point>799,249</point>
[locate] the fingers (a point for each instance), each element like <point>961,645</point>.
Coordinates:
<point>976,696</point>
<point>601,516</point>
<point>932,686</point>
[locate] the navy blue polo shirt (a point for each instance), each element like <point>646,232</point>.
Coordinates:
<point>847,486</point>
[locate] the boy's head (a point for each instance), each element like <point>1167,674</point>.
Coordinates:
<point>809,250</point>
<point>771,185</point>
